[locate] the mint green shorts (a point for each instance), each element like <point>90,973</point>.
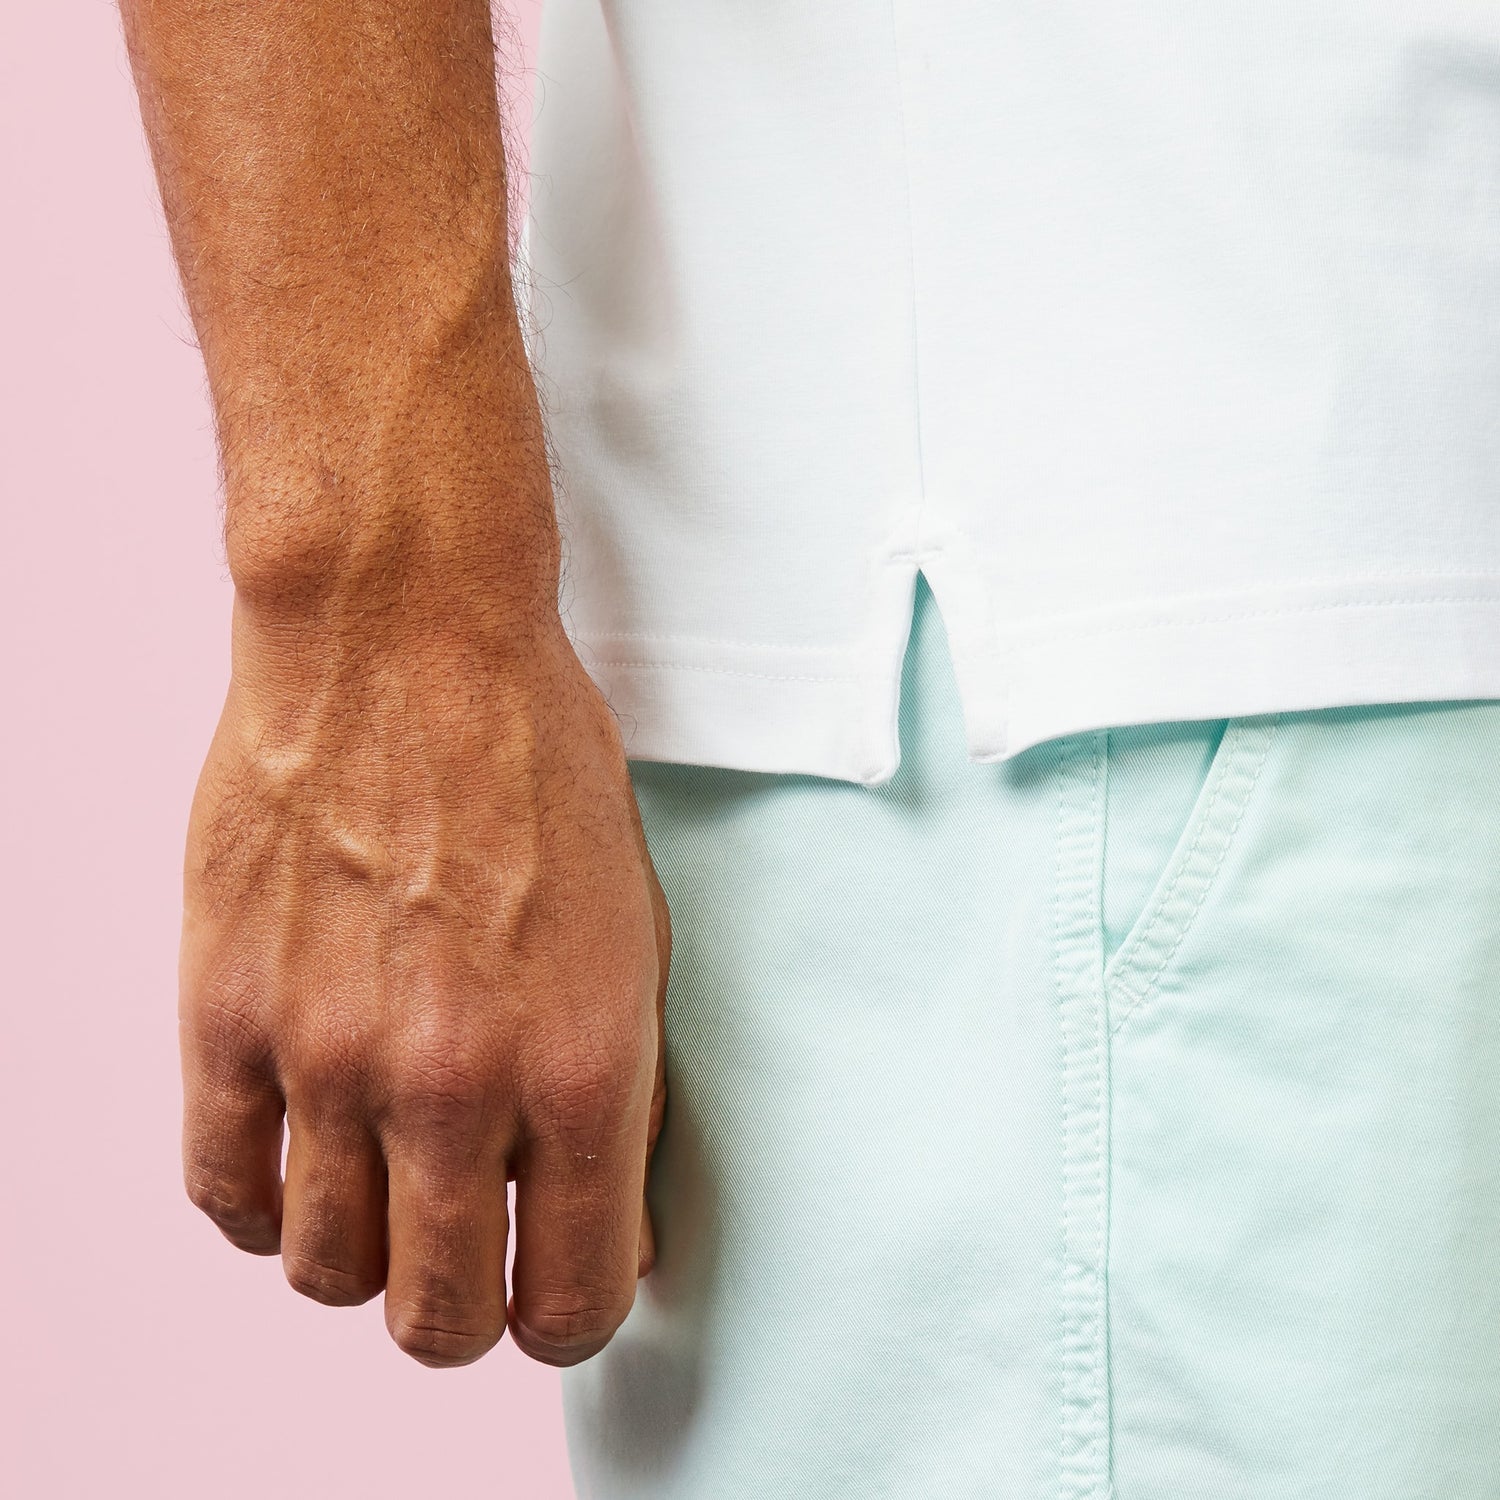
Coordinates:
<point>1119,1120</point>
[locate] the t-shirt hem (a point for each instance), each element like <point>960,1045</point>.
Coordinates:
<point>833,712</point>
<point>764,713</point>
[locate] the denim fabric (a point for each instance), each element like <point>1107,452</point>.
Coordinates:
<point>1118,1120</point>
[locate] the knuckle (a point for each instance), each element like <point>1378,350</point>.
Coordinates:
<point>566,1329</point>
<point>446,1096</point>
<point>222,1019</point>
<point>333,1286</point>
<point>440,1337</point>
<point>584,1093</point>
<point>240,1218</point>
<point>322,1074</point>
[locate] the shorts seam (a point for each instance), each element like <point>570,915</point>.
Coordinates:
<point>1083,1448</point>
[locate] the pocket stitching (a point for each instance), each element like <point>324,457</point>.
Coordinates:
<point>1161,930</point>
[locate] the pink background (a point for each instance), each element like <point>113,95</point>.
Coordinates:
<point>144,1355</point>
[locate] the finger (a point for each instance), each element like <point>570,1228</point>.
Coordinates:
<point>231,1151</point>
<point>578,1245</point>
<point>647,1256</point>
<point>646,1259</point>
<point>445,1283</point>
<point>333,1211</point>
<point>647,1253</point>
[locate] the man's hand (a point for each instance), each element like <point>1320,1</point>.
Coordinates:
<point>421,922</point>
<point>421,919</point>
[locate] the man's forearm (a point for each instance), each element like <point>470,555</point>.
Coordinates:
<point>334,182</point>
<point>421,930</point>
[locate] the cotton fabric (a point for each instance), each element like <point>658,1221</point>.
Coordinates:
<point>1162,337</point>
<point>1116,1120</point>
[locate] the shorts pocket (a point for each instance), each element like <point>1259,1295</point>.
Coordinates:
<point>1146,781</point>
<point>1303,1247</point>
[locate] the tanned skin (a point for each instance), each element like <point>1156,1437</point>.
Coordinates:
<point>422,931</point>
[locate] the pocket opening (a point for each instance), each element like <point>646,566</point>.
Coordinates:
<point>1155,774</point>
<point>1137,955</point>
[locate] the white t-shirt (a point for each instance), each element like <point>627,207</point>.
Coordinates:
<point>1162,336</point>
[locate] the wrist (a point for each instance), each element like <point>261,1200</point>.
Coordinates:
<point>419,469</point>
<point>436,658</point>
<point>331,550</point>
